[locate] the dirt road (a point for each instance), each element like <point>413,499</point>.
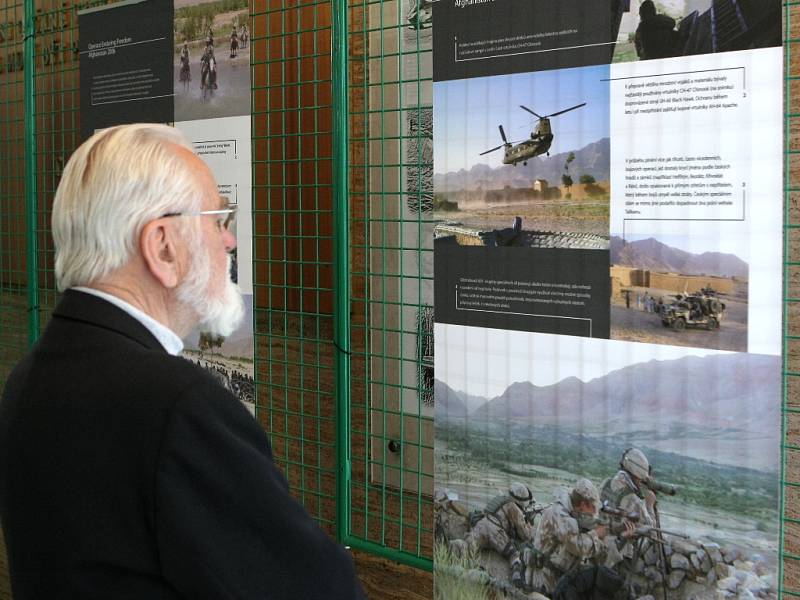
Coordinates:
<point>635,325</point>
<point>577,216</point>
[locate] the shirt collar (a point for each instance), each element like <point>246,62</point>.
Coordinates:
<point>166,337</point>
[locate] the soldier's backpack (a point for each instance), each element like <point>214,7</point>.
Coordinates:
<point>474,516</point>
<point>492,507</point>
<point>497,503</point>
<point>614,499</point>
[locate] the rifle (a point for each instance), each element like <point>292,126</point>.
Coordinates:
<point>646,531</point>
<point>530,513</point>
<point>618,512</point>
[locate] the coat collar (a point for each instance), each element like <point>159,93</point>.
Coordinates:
<point>86,308</point>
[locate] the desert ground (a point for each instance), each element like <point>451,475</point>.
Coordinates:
<point>579,214</point>
<point>634,325</point>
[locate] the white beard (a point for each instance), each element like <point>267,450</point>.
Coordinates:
<point>218,316</point>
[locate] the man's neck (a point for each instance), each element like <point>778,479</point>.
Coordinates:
<point>156,303</point>
<point>170,340</point>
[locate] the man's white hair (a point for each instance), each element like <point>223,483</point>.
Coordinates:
<point>116,182</point>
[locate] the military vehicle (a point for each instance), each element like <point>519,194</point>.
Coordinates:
<point>700,310</point>
<point>539,143</point>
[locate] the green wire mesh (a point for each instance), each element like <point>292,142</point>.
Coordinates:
<point>13,277</point>
<point>390,170</point>
<point>293,246</point>
<point>790,525</point>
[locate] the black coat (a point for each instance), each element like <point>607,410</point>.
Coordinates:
<point>129,473</point>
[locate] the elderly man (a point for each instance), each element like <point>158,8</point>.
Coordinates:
<point>125,470</point>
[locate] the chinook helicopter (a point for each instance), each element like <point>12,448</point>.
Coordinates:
<point>539,142</point>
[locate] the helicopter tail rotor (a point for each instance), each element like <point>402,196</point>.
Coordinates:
<point>505,143</point>
<point>492,150</point>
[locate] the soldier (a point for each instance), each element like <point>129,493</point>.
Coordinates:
<point>566,537</point>
<point>655,36</point>
<point>625,491</point>
<point>502,527</point>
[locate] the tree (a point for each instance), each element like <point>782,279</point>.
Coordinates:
<point>204,343</point>
<point>566,181</point>
<point>570,158</point>
<point>208,341</point>
<point>587,179</point>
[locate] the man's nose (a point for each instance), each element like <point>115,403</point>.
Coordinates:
<point>229,240</point>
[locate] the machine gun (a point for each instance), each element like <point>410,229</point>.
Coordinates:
<point>618,512</point>
<point>647,532</point>
<point>531,511</point>
<point>641,531</point>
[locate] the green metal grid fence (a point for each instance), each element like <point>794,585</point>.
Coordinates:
<point>391,237</point>
<point>13,277</point>
<point>789,544</point>
<point>293,244</point>
<point>342,256</point>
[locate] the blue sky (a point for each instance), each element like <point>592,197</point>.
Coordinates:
<point>484,361</point>
<point>466,113</point>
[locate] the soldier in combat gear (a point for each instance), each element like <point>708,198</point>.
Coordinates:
<point>567,536</point>
<point>626,490</point>
<point>502,527</point>
<point>655,37</point>
<point>627,493</point>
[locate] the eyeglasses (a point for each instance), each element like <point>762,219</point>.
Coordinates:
<point>226,220</point>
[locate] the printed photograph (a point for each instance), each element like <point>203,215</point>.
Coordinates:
<point>229,360</point>
<point>665,28</point>
<point>211,62</point>
<point>418,149</point>
<point>523,160</point>
<point>571,468</point>
<point>678,290</point>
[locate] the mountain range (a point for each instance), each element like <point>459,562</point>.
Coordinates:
<point>650,254</point>
<point>726,406</point>
<point>593,159</point>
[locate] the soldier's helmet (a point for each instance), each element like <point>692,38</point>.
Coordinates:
<point>521,493</point>
<point>635,462</point>
<point>585,489</point>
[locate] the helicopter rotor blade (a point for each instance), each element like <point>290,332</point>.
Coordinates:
<point>530,111</point>
<point>561,112</point>
<point>502,134</point>
<point>492,150</point>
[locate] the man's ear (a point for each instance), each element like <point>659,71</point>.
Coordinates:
<point>157,243</point>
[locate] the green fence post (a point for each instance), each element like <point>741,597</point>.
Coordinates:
<point>31,209</point>
<point>341,237</point>
<point>787,224</point>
